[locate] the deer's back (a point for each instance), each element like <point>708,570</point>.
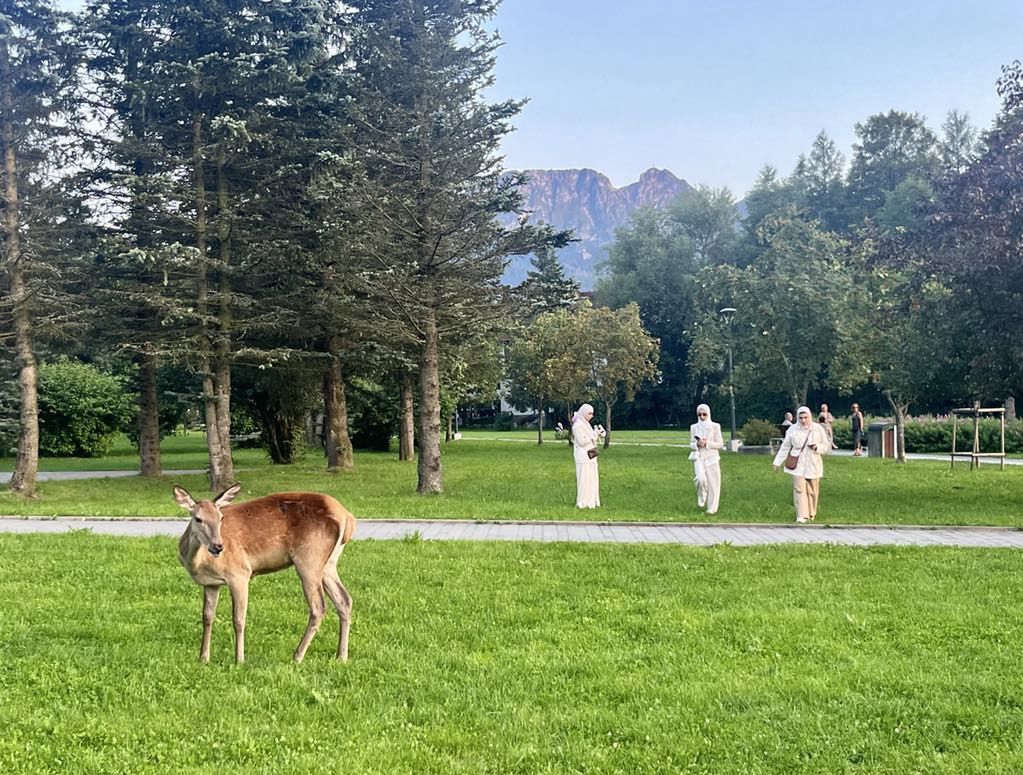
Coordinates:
<point>273,530</point>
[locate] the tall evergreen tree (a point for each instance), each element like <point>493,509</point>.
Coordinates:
<point>36,76</point>
<point>433,183</point>
<point>547,287</point>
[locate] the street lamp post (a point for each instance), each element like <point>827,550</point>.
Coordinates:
<point>727,313</point>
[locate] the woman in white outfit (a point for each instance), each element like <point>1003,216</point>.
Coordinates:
<point>584,439</point>
<point>808,440</point>
<point>706,442</point>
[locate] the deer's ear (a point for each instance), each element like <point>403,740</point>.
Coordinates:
<point>227,496</point>
<point>183,498</point>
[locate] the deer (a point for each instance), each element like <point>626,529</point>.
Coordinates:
<point>229,544</point>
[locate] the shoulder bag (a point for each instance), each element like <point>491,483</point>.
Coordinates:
<point>793,460</point>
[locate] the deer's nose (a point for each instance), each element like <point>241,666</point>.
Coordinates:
<point>216,549</point>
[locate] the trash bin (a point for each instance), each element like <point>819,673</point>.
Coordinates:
<point>881,440</point>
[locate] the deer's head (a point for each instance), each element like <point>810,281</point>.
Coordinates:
<point>207,516</point>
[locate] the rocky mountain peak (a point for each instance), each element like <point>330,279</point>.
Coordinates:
<point>585,201</point>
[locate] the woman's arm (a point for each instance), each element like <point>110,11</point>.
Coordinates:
<point>785,449</point>
<point>716,441</point>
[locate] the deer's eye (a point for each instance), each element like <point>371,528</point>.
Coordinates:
<point>197,519</point>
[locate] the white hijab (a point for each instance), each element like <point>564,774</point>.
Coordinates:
<point>703,426</point>
<point>581,412</point>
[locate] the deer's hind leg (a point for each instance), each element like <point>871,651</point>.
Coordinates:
<point>342,601</point>
<point>312,586</point>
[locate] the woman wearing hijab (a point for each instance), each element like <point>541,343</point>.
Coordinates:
<point>806,441</point>
<point>705,440</point>
<point>584,444</point>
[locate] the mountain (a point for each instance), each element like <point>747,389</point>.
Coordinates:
<point>586,202</point>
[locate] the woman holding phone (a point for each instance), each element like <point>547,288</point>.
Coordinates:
<point>800,453</point>
<point>706,441</point>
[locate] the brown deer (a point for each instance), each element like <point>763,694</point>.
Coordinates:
<point>229,544</point>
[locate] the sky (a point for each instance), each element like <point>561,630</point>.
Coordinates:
<point>715,89</point>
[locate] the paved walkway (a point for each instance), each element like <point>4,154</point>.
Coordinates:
<point>626,533</point>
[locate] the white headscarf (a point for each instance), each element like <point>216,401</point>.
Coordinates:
<point>581,412</point>
<point>799,411</point>
<point>703,426</point>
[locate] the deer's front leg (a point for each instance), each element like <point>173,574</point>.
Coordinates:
<point>239,605</point>
<point>210,596</point>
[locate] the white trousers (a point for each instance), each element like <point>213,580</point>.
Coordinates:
<point>708,485</point>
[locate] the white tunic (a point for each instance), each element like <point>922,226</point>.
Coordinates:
<point>587,482</point>
<point>810,465</point>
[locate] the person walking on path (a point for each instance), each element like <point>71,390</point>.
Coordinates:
<point>584,444</point>
<point>800,453</point>
<point>858,421</point>
<point>706,442</point>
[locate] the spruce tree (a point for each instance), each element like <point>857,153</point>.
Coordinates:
<point>432,185</point>
<point>36,78</point>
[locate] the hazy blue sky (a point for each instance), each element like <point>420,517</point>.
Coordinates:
<point>714,89</point>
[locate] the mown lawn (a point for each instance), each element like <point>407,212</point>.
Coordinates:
<point>520,658</point>
<point>486,479</point>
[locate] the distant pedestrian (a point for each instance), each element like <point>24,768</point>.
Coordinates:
<point>787,421</point>
<point>584,443</point>
<point>800,453</point>
<point>858,423</point>
<point>827,420</point>
<point>706,442</point>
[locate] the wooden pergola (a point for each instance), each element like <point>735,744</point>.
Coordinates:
<point>975,454</point>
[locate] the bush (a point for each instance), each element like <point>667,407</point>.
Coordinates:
<point>505,421</point>
<point>81,410</point>
<point>758,433</point>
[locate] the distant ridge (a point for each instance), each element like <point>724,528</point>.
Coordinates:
<point>585,201</point>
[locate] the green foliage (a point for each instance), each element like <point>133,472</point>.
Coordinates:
<point>758,432</point>
<point>372,415</point>
<point>798,312</point>
<point>504,421</point>
<point>81,409</point>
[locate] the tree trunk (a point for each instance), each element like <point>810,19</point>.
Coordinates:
<point>149,419</point>
<point>431,474</point>
<point>222,348</point>
<point>899,409</point>
<point>216,375</point>
<point>335,402</point>
<point>406,433</point>
<point>607,424</point>
<point>23,481</point>
<point>1010,409</point>
<point>539,422</point>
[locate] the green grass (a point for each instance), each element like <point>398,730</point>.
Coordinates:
<point>179,452</point>
<point>509,480</point>
<point>520,658</point>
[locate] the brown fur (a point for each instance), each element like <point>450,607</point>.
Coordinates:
<point>228,544</point>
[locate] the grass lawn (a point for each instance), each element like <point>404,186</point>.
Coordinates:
<point>520,658</point>
<point>508,480</point>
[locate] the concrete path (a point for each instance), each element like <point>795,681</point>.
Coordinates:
<point>628,533</point>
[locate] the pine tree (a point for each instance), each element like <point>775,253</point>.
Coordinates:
<point>432,183</point>
<point>546,287</point>
<point>36,78</point>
